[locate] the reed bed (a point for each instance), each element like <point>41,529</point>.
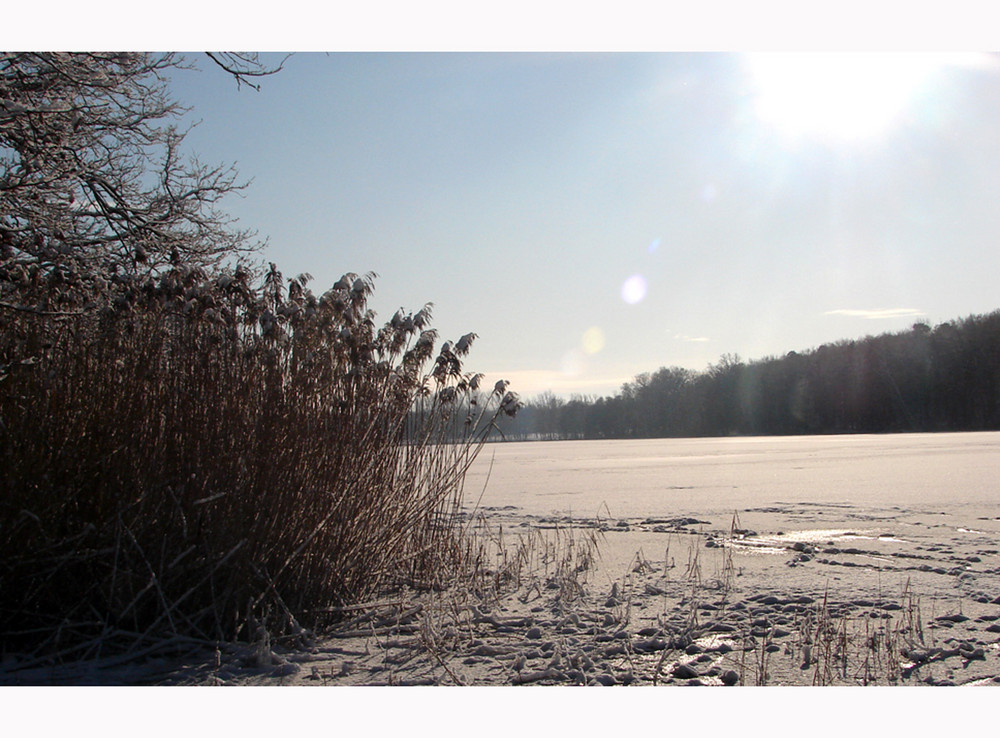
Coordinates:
<point>213,456</point>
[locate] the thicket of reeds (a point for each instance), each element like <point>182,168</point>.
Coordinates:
<point>207,456</point>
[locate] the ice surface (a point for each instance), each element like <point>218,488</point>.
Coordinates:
<point>668,477</point>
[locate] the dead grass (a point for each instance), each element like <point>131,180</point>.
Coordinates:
<point>209,459</point>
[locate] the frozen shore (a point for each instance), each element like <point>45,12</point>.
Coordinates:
<point>809,595</point>
<point>794,594</point>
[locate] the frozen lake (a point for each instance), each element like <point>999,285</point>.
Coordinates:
<point>666,477</point>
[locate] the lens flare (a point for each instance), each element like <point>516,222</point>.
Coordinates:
<point>634,289</point>
<point>593,340</point>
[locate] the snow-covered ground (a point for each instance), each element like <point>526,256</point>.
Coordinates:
<point>745,561</point>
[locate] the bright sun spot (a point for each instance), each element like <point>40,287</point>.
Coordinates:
<point>839,96</point>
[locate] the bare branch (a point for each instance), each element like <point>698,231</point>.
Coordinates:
<point>243,65</point>
<point>92,175</point>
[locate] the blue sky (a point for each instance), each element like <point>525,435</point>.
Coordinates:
<point>593,216</point>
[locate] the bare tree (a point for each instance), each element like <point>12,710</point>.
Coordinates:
<point>94,187</point>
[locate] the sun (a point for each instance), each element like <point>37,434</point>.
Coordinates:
<point>836,96</point>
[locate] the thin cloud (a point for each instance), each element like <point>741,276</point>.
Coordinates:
<point>531,382</point>
<point>689,339</point>
<point>885,314</point>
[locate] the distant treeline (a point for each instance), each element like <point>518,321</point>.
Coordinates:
<point>923,379</point>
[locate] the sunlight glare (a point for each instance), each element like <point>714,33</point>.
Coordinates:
<point>840,96</point>
<point>572,363</point>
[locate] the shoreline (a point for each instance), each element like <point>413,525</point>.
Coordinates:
<point>890,597</point>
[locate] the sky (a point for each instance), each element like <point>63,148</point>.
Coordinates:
<point>593,216</point>
<point>590,211</point>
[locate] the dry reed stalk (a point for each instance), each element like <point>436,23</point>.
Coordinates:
<point>203,450</point>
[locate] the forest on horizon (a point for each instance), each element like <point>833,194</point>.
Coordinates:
<point>945,378</point>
